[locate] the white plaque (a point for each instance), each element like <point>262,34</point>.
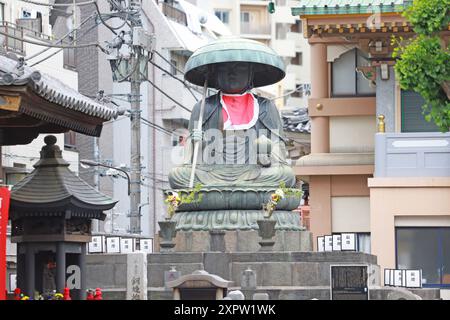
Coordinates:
<point>320,244</point>
<point>387,275</point>
<point>328,243</point>
<point>97,244</point>
<point>113,245</point>
<point>403,278</point>
<point>414,278</point>
<point>126,245</point>
<point>336,242</point>
<point>12,282</point>
<point>398,278</point>
<point>391,277</point>
<point>146,245</point>
<point>348,242</point>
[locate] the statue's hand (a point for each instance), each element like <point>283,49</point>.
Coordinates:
<point>264,160</point>
<point>197,135</point>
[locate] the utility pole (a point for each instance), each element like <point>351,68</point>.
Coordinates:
<point>135,160</point>
<point>138,42</point>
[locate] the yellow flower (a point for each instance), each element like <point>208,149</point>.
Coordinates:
<point>275,197</point>
<point>25,298</point>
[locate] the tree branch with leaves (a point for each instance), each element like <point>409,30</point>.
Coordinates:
<point>423,63</point>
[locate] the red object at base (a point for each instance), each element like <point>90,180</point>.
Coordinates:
<point>17,294</point>
<point>90,295</point>
<point>66,295</point>
<point>98,294</point>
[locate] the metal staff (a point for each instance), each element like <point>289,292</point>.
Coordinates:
<point>197,142</point>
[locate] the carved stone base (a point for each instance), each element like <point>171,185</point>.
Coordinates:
<point>240,241</point>
<point>234,220</point>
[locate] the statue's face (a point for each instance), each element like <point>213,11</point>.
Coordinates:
<point>233,77</point>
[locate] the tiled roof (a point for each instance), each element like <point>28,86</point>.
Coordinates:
<point>53,183</point>
<point>52,89</point>
<point>313,7</point>
<point>296,120</point>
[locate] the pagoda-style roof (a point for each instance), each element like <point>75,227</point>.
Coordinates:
<point>51,187</point>
<point>32,102</point>
<point>321,7</point>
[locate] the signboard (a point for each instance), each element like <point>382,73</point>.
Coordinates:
<point>4,208</point>
<point>387,277</point>
<point>320,244</point>
<point>414,278</point>
<point>12,282</point>
<point>146,245</point>
<point>349,282</point>
<point>348,242</point>
<point>328,243</point>
<point>126,245</point>
<point>398,278</point>
<point>403,278</point>
<point>336,242</point>
<point>97,244</point>
<point>113,244</point>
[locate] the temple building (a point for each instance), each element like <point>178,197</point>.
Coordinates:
<point>389,185</point>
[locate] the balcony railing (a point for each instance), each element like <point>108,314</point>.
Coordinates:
<point>19,31</point>
<point>248,28</point>
<point>412,155</point>
<point>174,14</point>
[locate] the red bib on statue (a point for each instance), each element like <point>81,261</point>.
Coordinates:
<point>239,111</point>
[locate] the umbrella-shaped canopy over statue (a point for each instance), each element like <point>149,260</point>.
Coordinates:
<point>267,66</point>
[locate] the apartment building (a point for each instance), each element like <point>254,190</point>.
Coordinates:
<point>387,181</point>
<point>279,30</point>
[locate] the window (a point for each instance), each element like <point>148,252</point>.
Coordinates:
<point>427,249</point>
<point>245,17</point>
<point>298,60</point>
<point>223,15</point>
<point>346,81</point>
<point>412,119</point>
<point>70,140</point>
<point>173,67</point>
<point>297,27</point>
<point>280,31</point>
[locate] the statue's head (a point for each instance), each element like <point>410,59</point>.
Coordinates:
<point>234,77</point>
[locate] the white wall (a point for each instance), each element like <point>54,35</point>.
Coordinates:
<point>350,214</point>
<point>352,134</point>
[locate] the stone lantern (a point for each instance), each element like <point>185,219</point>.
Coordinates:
<point>51,212</point>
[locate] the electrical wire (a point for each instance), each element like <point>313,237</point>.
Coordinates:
<point>176,78</point>
<point>156,127</point>
<point>59,4</point>
<point>164,93</point>
<point>59,50</point>
<point>62,38</point>
<point>170,63</point>
<point>103,21</point>
<point>52,45</point>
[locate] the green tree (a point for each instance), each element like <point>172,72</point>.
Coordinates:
<point>423,63</point>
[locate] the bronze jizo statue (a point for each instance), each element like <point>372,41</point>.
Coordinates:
<point>242,141</point>
<point>241,157</point>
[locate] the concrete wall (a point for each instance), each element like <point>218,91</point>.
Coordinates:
<point>403,198</point>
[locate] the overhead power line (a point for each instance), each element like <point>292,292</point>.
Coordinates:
<point>59,4</point>
<point>62,38</point>
<point>43,44</point>
<point>165,94</point>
